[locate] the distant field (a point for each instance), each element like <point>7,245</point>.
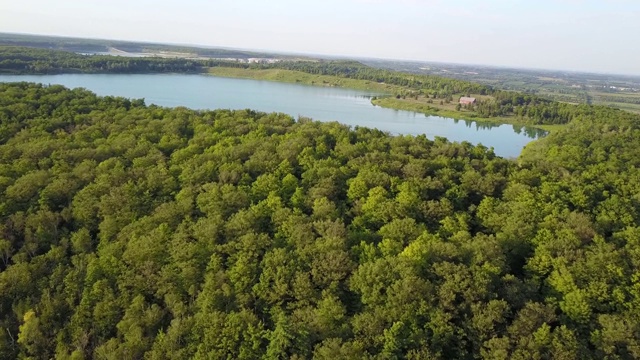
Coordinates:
<point>620,91</point>
<point>128,48</point>
<point>628,107</point>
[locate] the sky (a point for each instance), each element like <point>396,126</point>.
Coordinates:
<point>578,35</point>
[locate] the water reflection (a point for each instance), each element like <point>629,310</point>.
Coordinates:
<point>528,131</point>
<point>531,132</point>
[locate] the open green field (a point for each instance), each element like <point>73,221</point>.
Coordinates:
<point>298,77</point>
<point>629,101</point>
<point>635,108</point>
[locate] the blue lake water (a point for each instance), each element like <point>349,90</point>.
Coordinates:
<point>350,107</point>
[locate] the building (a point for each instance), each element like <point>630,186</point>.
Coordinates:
<point>467,100</point>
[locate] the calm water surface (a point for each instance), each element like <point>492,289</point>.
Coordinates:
<point>351,107</point>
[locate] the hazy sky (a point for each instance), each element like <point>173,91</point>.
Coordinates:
<point>580,35</point>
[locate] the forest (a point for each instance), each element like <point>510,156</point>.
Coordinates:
<point>139,232</point>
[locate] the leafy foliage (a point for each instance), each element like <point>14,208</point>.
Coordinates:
<point>134,231</point>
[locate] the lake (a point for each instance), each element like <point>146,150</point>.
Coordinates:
<point>350,107</point>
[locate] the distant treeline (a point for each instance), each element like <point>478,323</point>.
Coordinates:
<point>23,60</point>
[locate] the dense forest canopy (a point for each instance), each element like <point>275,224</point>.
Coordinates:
<point>135,231</point>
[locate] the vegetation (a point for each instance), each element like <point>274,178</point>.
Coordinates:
<point>134,231</point>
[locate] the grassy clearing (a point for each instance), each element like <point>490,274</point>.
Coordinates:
<point>299,77</point>
<point>621,100</point>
